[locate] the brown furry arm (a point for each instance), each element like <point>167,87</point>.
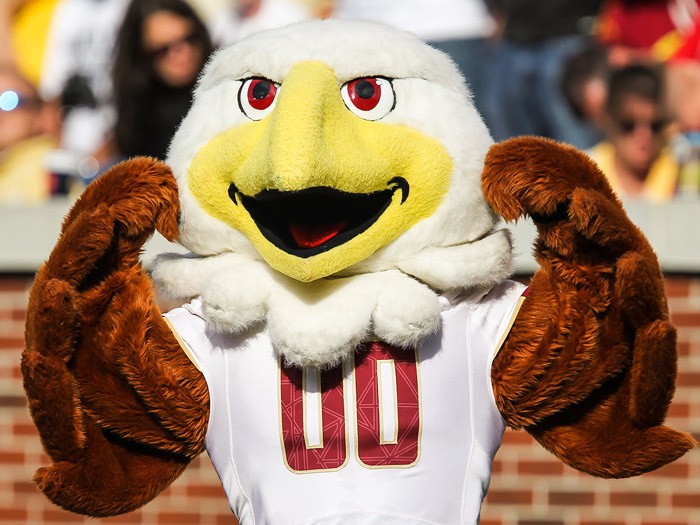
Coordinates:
<point>589,367</point>
<point>119,407</point>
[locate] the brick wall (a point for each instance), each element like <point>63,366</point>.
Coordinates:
<point>529,487</point>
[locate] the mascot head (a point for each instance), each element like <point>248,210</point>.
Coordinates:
<point>334,148</point>
<point>329,179</point>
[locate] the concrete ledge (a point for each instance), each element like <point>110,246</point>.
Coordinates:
<point>673,231</point>
<point>29,233</point>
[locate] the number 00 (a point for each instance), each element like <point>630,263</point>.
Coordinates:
<point>387,412</point>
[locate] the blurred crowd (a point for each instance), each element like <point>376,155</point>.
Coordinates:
<point>87,83</point>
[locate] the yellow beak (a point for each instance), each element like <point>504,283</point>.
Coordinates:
<point>311,164</point>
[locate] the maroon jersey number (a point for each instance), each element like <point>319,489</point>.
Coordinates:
<point>387,405</point>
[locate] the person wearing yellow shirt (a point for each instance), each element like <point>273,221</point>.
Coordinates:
<point>635,156</point>
<point>26,138</point>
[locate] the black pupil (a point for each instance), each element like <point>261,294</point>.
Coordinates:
<point>364,89</point>
<point>261,89</point>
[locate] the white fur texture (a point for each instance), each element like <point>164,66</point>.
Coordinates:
<point>392,294</point>
<point>310,324</point>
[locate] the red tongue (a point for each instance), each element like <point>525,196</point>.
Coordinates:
<point>310,236</point>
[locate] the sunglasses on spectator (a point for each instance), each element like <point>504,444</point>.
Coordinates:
<point>10,100</point>
<point>628,125</point>
<point>161,52</point>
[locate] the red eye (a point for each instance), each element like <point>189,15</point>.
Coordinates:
<point>261,93</point>
<point>370,98</point>
<point>364,93</point>
<point>257,97</point>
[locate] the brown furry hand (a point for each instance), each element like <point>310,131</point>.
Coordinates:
<point>589,367</point>
<point>119,407</point>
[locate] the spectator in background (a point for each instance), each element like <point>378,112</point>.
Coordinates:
<point>683,81</point>
<point>635,157</point>
<point>689,48</point>
<point>463,29</point>
<point>683,78</point>
<point>244,17</point>
<point>525,96</point>
<point>646,30</point>
<point>27,135</point>
<point>65,48</point>
<point>584,82</point>
<point>76,77</point>
<point>162,46</point>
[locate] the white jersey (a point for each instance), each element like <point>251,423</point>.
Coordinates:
<point>394,437</point>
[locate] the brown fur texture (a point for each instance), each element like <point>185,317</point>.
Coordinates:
<point>120,409</point>
<point>589,367</point>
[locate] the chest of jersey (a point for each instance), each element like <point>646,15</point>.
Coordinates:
<point>394,436</point>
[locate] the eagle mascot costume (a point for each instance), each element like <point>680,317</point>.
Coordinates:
<point>348,347</point>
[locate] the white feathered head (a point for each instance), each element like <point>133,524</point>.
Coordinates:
<point>333,148</point>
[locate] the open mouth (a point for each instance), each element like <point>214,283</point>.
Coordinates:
<point>314,220</point>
